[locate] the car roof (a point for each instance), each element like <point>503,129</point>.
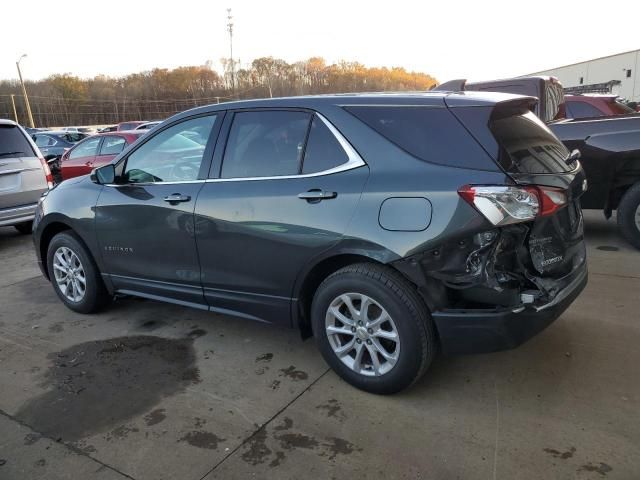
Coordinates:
<point>55,132</point>
<point>6,121</point>
<point>426,98</point>
<point>121,133</point>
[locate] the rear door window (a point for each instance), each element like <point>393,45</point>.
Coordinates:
<point>265,144</point>
<point>528,146</point>
<point>432,134</point>
<point>323,150</point>
<point>45,141</point>
<point>14,142</point>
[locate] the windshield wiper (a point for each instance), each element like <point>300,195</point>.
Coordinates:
<point>4,154</point>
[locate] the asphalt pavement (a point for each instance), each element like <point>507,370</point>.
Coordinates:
<point>146,390</point>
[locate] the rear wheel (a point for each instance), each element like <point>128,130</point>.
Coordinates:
<point>629,215</point>
<point>372,327</point>
<point>74,275</point>
<point>24,227</point>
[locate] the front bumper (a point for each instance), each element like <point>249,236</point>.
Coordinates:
<point>483,331</point>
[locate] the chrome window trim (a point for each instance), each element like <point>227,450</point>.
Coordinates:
<point>146,184</point>
<point>354,161</point>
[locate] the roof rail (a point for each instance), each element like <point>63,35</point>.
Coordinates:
<point>451,86</point>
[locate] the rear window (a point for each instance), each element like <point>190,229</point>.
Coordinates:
<point>431,134</point>
<point>528,146</point>
<point>14,142</point>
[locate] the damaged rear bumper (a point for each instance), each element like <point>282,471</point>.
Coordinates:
<point>482,330</point>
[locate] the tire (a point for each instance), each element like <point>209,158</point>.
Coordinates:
<point>95,295</point>
<point>410,323</point>
<point>629,215</point>
<point>24,228</point>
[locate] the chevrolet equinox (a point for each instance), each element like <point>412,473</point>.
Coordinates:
<point>387,226</point>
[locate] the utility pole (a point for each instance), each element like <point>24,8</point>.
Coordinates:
<point>13,104</point>
<point>233,67</point>
<point>24,92</point>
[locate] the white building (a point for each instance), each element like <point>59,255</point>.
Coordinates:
<point>615,73</point>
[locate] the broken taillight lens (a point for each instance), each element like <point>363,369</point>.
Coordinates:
<point>504,205</point>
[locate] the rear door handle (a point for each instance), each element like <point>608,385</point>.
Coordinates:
<point>176,198</point>
<point>316,195</point>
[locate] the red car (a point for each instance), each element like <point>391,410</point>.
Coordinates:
<point>594,105</point>
<point>95,151</point>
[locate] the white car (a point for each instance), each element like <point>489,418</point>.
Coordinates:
<point>86,130</point>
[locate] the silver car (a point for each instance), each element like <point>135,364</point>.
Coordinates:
<point>24,176</point>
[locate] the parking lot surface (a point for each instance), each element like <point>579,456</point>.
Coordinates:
<point>146,390</point>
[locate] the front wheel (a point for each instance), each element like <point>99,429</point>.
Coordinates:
<point>373,328</point>
<point>629,215</point>
<point>74,274</point>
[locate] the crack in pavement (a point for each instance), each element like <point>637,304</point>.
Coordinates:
<point>72,448</point>
<point>264,425</point>
<point>21,281</point>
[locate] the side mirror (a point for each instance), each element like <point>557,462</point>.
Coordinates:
<point>50,158</point>
<point>104,175</point>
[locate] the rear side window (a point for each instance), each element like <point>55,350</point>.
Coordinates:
<point>13,142</point>
<point>265,144</point>
<point>45,141</point>
<point>432,134</point>
<point>528,146</point>
<point>112,145</point>
<point>323,151</point>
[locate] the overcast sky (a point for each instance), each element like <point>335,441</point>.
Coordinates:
<point>454,39</point>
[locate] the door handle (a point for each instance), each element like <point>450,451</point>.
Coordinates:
<point>315,195</point>
<point>176,198</point>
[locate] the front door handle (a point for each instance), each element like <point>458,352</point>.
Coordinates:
<point>176,198</point>
<point>316,195</point>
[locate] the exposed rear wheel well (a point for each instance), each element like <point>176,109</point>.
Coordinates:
<point>48,233</point>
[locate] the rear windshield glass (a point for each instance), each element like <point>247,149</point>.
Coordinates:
<point>432,134</point>
<point>528,146</point>
<point>13,142</point>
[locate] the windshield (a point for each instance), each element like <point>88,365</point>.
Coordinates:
<point>528,146</point>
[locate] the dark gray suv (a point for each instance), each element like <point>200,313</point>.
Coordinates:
<point>388,226</point>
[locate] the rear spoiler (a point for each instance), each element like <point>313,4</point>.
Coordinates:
<point>451,86</point>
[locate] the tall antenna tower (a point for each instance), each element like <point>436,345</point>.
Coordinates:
<point>233,66</point>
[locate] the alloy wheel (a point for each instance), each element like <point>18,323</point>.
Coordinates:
<point>69,274</point>
<point>362,334</point>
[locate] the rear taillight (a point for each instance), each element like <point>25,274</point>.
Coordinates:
<point>504,205</point>
<point>47,172</point>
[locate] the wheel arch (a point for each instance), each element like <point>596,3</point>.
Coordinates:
<point>48,232</point>
<point>317,271</point>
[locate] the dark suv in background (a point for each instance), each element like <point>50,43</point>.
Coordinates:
<point>386,225</point>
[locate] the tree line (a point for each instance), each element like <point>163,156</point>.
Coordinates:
<point>64,99</point>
